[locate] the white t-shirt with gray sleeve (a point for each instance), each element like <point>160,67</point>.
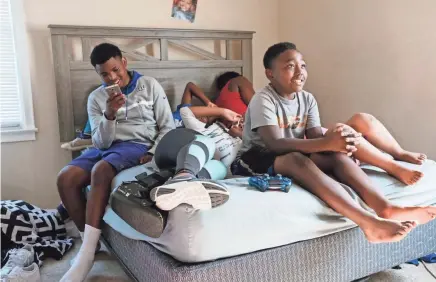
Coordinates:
<point>293,117</point>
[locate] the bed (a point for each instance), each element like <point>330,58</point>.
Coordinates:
<point>175,57</point>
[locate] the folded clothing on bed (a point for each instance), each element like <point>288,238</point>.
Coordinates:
<point>252,221</point>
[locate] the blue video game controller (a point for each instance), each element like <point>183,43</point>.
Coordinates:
<point>266,182</point>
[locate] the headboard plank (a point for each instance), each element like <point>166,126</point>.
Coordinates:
<point>96,31</point>
<point>76,78</point>
<point>164,49</point>
<point>247,59</point>
<point>168,65</point>
<point>61,62</point>
<point>86,48</point>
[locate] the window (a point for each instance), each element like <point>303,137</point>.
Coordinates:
<point>16,109</point>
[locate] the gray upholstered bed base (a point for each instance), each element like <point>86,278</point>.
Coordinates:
<point>343,256</point>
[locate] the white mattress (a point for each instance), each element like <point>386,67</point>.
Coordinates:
<point>252,220</point>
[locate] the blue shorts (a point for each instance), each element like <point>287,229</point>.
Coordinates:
<point>121,155</point>
<point>177,117</point>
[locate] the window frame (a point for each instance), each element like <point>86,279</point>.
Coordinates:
<point>27,130</point>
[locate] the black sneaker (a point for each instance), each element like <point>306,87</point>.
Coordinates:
<point>131,201</point>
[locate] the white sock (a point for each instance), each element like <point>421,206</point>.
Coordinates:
<point>85,258</point>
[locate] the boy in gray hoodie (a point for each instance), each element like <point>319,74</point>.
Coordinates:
<point>126,128</point>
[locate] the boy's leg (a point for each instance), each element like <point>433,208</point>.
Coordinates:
<point>101,178</point>
<point>349,173</point>
<point>200,194</point>
<point>193,156</point>
<point>369,154</point>
<point>214,170</point>
<point>71,181</point>
<point>119,156</point>
<point>377,134</point>
<point>306,172</point>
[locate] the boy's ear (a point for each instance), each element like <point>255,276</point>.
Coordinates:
<point>269,74</point>
<point>124,61</point>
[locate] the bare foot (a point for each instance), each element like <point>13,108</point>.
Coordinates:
<point>422,215</point>
<point>406,175</point>
<point>411,157</point>
<point>386,231</point>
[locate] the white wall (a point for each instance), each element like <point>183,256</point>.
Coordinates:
<point>370,56</point>
<point>29,169</point>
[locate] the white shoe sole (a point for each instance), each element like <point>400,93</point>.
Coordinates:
<point>201,195</point>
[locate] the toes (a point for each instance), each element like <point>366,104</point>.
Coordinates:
<point>410,224</point>
<point>417,175</point>
<point>432,212</point>
<point>406,226</point>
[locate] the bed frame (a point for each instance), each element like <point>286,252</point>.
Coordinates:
<point>175,57</point>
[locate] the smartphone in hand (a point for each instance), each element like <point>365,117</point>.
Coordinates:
<point>113,89</point>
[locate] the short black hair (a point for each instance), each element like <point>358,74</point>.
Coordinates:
<point>103,52</point>
<point>274,51</point>
<point>222,80</point>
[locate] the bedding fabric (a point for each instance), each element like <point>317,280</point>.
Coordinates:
<point>252,221</point>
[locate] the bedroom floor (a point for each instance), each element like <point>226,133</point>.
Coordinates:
<point>107,268</point>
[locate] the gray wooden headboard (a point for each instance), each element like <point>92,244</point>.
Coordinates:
<point>172,56</point>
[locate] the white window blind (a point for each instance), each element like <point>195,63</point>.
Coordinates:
<point>10,102</point>
<point>16,107</point>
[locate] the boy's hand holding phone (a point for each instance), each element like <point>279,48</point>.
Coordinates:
<point>115,101</point>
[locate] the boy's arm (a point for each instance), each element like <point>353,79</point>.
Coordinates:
<point>264,119</point>
<point>103,129</point>
<point>189,119</point>
<point>215,112</point>
<point>193,90</point>
<point>244,87</point>
<point>314,132</point>
<point>162,114</point>
<point>274,141</point>
<point>313,124</point>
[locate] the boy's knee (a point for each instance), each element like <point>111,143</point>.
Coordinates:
<point>63,178</point>
<point>361,121</point>
<point>102,170</point>
<point>69,176</point>
<point>338,159</point>
<point>296,159</point>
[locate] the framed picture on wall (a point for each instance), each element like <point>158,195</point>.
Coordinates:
<point>184,10</point>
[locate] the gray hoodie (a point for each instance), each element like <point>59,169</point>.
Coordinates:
<point>149,116</point>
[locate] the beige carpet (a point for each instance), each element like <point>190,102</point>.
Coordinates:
<point>107,268</point>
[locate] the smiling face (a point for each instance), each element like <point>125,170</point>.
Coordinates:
<point>185,5</point>
<point>288,72</point>
<point>114,71</point>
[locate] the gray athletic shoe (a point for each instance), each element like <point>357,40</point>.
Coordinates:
<point>199,193</point>
<point>23,274</point>
<point>18,257</point>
